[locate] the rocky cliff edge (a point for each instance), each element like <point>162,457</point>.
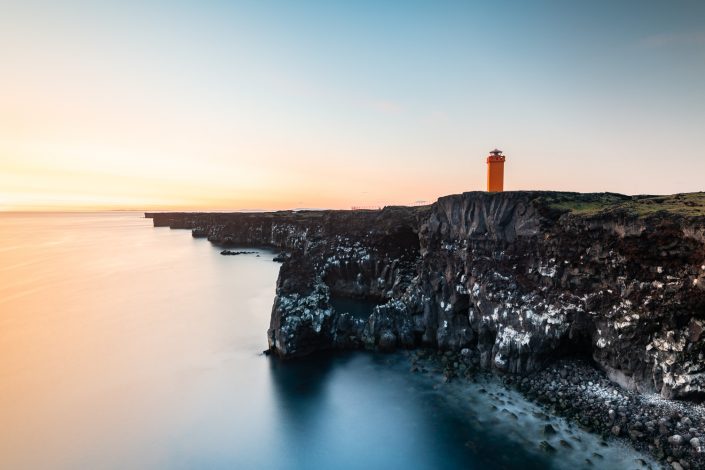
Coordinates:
<point>514,280</point>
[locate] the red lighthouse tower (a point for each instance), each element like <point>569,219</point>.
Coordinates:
<point>495,171</point>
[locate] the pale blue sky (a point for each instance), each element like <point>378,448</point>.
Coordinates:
<point>368,102</point>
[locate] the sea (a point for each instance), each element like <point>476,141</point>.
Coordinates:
<point>125,346</point>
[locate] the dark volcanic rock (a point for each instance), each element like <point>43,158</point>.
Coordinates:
<point>512,278</point>
<point>665,428</point>
<point>235,253</point>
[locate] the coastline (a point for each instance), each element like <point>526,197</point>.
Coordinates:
<point>509,283</point>
<point>547,430</point>
<point>574,389</point>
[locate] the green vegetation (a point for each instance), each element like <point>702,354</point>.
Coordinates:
<point>689,204</point>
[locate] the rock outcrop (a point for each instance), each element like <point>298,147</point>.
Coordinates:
<point>517,279</point>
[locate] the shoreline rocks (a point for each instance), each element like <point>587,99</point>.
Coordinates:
<point>235,253</point>
<point>573,388</point>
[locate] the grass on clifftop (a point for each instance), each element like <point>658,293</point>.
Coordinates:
<point>689,204</point>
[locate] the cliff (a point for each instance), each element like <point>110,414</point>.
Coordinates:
<point>513,280</point>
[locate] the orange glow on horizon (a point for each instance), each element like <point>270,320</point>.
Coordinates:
<point>63,174</point>
<point>233,106</point>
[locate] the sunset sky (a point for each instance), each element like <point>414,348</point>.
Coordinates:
<point>266,105</point>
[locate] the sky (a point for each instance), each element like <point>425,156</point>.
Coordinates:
<point>229,105</point>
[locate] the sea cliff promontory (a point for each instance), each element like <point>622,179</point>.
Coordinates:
<point>591,304</point>
<point>515,280</point>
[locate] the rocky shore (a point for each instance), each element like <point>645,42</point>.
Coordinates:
<point>521,278</point>
<point>236,253</point>
<point>671,431</point>
<point>509,283</point>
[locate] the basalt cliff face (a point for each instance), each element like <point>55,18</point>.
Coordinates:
<point>513,280</point>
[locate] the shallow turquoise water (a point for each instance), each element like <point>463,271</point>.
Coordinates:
<point>128,346</point>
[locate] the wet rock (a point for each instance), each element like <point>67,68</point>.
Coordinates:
<point>549,430</point>
<point>546,447</point>
<point>235,253</point>
<point>387,341</point>
<point>281,257</point>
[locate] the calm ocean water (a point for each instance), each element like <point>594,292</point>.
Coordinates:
<point>128,346</point>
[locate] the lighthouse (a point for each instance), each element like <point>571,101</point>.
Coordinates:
<point>495,171</point>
